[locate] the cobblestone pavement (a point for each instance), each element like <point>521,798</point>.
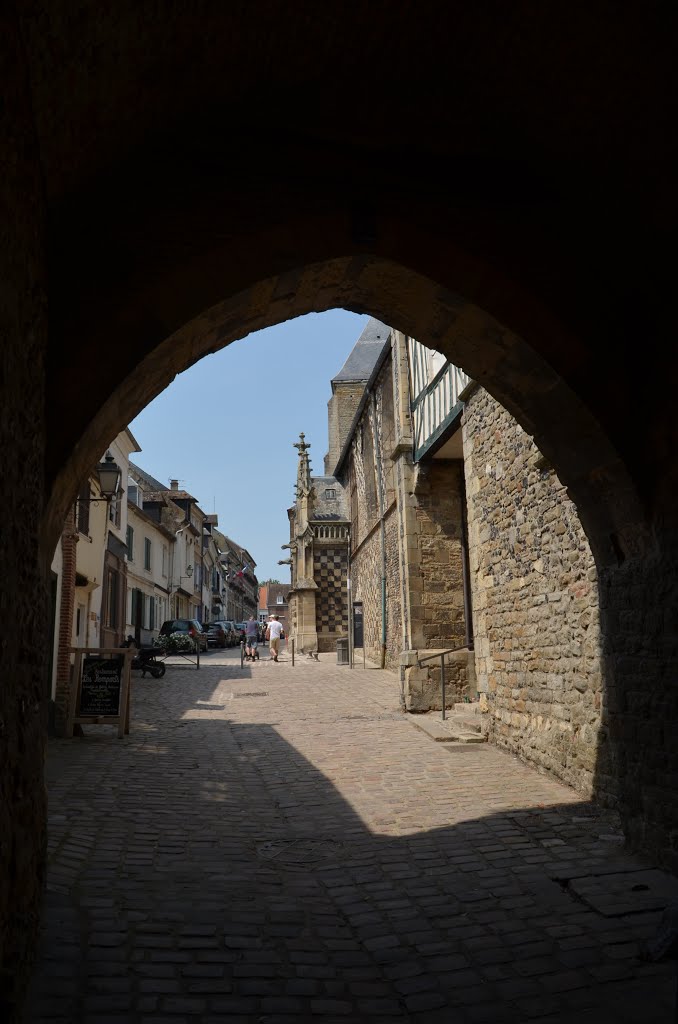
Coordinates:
<point>276,844</point>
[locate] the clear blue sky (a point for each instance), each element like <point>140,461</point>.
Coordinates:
<point>225,427</point>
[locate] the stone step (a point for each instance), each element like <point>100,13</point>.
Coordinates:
<point>469,737</point>
<point>468,723</point>
<point>451,730</point>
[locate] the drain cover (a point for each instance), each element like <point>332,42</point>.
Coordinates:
<point>255,693</point>
<point>627,892</point>
<point>300,853</point>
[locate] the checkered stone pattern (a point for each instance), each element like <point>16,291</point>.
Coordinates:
<point>330,571</point>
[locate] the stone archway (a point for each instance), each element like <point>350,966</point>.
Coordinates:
<point>516,375</point>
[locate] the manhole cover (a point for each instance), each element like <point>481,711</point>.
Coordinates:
<point>255,693</point>
<point>626,892</point>
<point>300,853</point>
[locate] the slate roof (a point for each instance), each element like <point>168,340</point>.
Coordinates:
<point>329,510</point>
<point>365,352</point>
<point>148,480</point>
<point>275,589</point>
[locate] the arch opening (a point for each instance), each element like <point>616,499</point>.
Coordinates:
<point>513,372</point>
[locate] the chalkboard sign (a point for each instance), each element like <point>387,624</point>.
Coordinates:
<point>358,624</point>
<point>101,686</point>
<point>100,689</point>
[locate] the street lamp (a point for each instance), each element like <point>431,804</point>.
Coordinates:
<point>187,575</point>
<point>108,475</point>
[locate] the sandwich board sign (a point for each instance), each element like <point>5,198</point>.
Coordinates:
<point>100,694</point>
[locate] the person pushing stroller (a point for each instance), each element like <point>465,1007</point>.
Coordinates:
<point>251,639</point>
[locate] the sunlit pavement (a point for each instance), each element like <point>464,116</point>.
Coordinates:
<point>278,843</point>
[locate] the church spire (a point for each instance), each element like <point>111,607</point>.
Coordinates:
<point>304,467</point>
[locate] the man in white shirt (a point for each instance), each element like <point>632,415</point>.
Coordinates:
<point>273,634</point>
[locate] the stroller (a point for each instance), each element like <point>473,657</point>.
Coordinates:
<point>252,646</point>
<point>146,658</point>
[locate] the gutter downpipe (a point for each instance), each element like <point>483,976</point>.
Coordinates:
<point>380,486</point>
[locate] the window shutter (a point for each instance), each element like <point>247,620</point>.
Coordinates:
<point>83,508</point>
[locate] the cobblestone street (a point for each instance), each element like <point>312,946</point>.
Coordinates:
<point>280,843</point>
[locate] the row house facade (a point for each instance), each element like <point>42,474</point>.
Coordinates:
<point>240,596</point>
<point>276,603</point>
<point>89,575</point>
<point>127,562</point>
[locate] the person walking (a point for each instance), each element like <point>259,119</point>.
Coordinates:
<point>273,634</point>
<point>251,639</point>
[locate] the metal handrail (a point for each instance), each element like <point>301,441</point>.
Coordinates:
<point>449,650</point>
<point>441,655</point>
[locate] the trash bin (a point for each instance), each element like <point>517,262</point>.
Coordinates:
<point>342,651</point>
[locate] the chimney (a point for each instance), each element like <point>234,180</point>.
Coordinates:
<point>174,485</point>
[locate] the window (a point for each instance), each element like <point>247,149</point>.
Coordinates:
<point>330,493</point>
<point>279,599</point>
<point>151,612</point>
<point>83,508</point>
<point>114,508</point>
<point>130,543</point>
<point>147,553</point>
<point>164,559</point>
<point>137,599</point>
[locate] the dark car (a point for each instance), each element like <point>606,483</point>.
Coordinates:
<point>218,634</point>
<point>241,629</point>
<point>189,626</point>
<point>231,632</point>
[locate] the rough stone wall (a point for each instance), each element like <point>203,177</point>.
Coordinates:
<point>439,517</point>
<point>535,600</point>
<point>24,603</point>
<point>432,541</point>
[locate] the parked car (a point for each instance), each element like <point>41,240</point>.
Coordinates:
<point>219,634</point>
<point>241,630</point>
<point>189,626</point>
<point>233,635</point>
